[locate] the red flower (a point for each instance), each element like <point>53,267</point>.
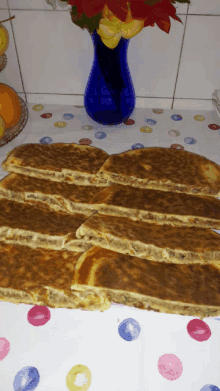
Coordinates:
<point>89,7</point>
<point>158,13</point>
<point>119,8</point>
<point>94,7</point>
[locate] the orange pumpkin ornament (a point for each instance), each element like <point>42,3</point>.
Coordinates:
<point>4,39</point>
<point>10,107</point>
<point>4,36</point>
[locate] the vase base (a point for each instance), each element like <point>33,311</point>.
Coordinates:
<point>109,117</point>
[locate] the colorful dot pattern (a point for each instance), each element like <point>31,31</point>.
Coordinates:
<point>169,364</point>
<point>149,126</point>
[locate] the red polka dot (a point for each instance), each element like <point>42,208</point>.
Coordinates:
<point>198,330</point>
<point>176,146</point>
<point>46,115</point>
<point>85,141</point>
<point>38,315</point>
<point>214,126</point>
<point>129,122</point>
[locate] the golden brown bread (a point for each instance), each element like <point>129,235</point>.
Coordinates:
<point>58,196</point>
<point>59,162</point>
<point>163,207</point>
<point>162,169</point>
<point>43,277</point>
<point>161,243</point>
<point>34,227</point>
<point>177,289</point>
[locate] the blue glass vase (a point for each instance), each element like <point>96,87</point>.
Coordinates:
<point>109,95</point>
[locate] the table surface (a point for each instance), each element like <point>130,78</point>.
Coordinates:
<point>73,337</point>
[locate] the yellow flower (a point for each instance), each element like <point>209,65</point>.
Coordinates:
<point>111,29</point>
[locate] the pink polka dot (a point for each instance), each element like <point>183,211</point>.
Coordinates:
<point>4,348</point>
<point>170,366</point>
<point>198,330</point>
<point>38,315</point>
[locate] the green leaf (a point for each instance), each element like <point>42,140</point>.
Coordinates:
<point>83,21</point>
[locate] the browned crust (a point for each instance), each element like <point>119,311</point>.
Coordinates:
<point>162,243</point>
<point>57,162</point>
<point>182,289</point>
<point>163,169</point>
<point>68,198</point>
<point>145,205</point>
<point>43,277</point>
<point>27,224</point>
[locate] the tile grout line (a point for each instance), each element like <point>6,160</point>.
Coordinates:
<point>67,10</point>
<point>181,50</point>
<point>141,97</point>
<point>22,82</point>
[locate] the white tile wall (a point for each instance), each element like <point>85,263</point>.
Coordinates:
<point>3,4</point>
<point>50,58</point>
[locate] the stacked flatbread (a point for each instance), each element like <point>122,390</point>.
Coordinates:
<point>162,226</point>
<point>45,213</point>
<point>60,162</point>
<point>31,225</point>
<point>149,244</point>
<point>43,277</point>
<point>38,222</point>
<point>146,242</point>
<point>56,196</point>
<point>162,207</point>
<point>162,287</point>
<point>162,169</point>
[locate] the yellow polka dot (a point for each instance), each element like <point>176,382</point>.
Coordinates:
<point>146,129</point>
<point>199,118</point>
<point>60,124</point>
<point>38,107</point>
<point>78,378</point>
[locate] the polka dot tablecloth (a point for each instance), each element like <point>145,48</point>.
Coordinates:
<point>124,348</point>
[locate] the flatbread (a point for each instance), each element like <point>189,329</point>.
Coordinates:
<point>59,162</point>
<point>191,290</point>
<point>43,277</point>
<point>161,243</point>
<point>30,226</point>
<point>162,207</point>
<point>162,169</point>
<point>65,197</point>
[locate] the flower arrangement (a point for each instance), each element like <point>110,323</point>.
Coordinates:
<point>114,19</point>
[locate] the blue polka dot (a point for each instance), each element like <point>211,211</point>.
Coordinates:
<point>100,135</point>
<point>68,116</point>
<point>129,329</point>
<point>26,379</point>
<point>190,140</point>
<point>176,117</point>
<point>137,146</point>
<point>46,140</point>
<point>209,387</point>
<point>151,121</point>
